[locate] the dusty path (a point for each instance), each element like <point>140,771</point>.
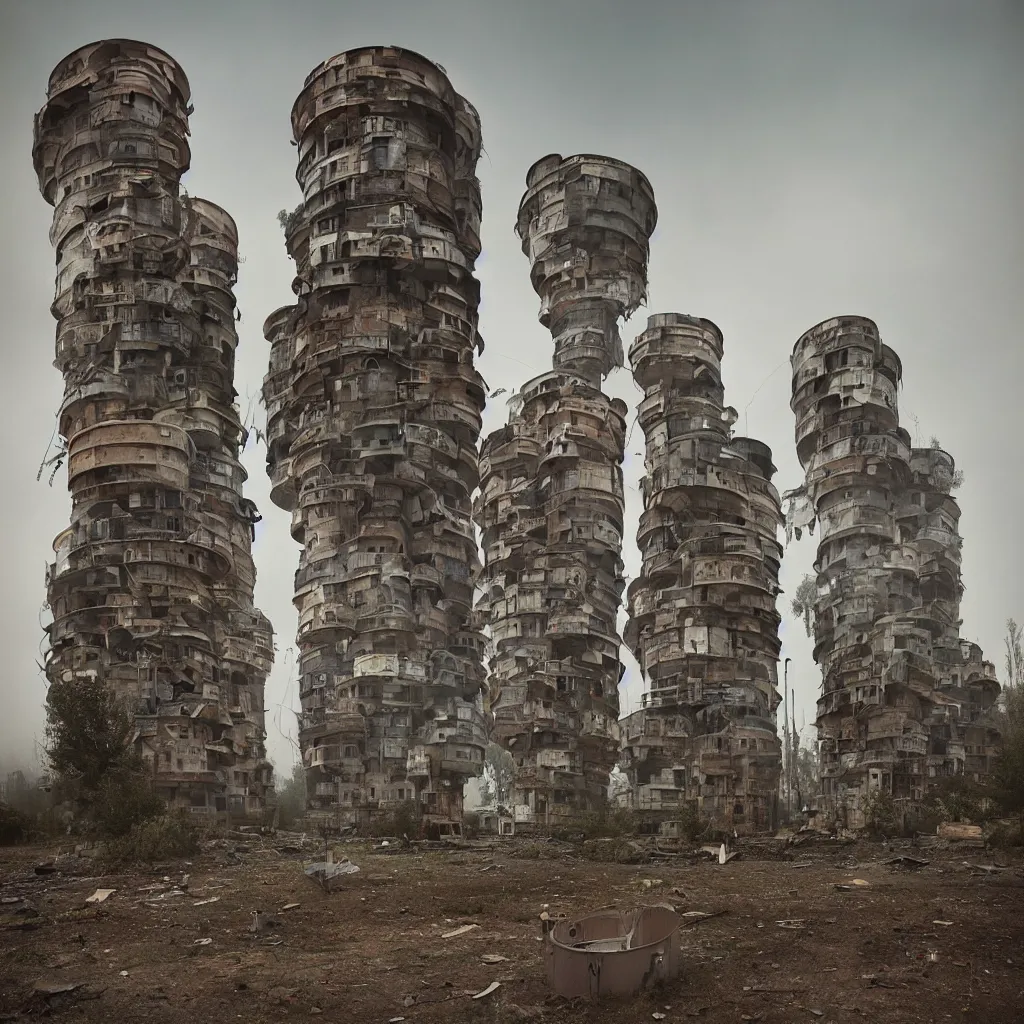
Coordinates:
<point>374,951</point>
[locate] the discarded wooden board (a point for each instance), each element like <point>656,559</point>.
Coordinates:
<point>958,830</point>
<point>459,931</point>
<point>100,895</point>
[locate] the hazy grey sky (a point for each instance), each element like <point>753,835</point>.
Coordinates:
<point>810,158</point>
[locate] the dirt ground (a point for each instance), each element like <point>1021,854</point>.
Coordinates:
<point>944,941</point>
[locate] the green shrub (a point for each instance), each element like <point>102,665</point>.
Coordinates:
<point>602,823</point>
<point>691,825</point>
<point>89,732</point>
<point>1008,771</point>
<point>167,837</point>
<point>124,801</point>
<point>881,815</point>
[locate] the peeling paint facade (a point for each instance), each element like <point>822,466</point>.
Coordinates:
<point>905,702</point>
<point>151,587</point>
<point>703,623</point>
<point>550,508</point>
<point>373,417</point>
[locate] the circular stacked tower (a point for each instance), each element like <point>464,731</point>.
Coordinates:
<point>146,344</point>
<point>585,223</point>
<point>244,636</point>
<point>374,412</point>
<point>551,502</point>
<point>703,619</point>
<point>874,651</point>
<point>905,701</point>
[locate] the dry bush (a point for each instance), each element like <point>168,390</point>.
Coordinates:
<point>611,851</point>
<point>404,819</point>
<point>881,815</point>
<point>167,837</point>
<point>15,827</point>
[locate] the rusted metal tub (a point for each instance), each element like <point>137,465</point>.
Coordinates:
<point>612,951</point>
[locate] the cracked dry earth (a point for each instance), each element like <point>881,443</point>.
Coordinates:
<point>942,942</point>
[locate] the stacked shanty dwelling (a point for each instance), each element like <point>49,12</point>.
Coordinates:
<point>151,589</point>
<point>374,411</point>
<point>703,619</point>
<point>905,703</point>
<point>551,502</point>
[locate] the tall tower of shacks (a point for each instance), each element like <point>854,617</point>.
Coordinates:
<point>374,413</point>
<point>551,501</point>
<point>904,702</point>
<point>703,619</point>
<point>151,588</point>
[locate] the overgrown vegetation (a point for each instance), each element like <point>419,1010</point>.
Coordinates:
<point>89,732</point>
<point>28,812</point>
<point>609,822</point>
<point>882,817</point>
<point>1008,772</point>
<point>289,220</point>
<point>1014,656</point>
<point>957,479</point>
<point>15,826</point>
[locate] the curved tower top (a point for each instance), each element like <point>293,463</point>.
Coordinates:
<point>585,222</point>
<point>375,75</point>
<point>117,106</point>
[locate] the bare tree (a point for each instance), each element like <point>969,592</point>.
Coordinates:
<point>498,775</point>
<point>803,602</point>
<point>1014,658</point>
